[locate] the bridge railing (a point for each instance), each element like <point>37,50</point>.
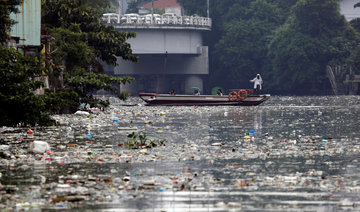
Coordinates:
<point>135,19</point>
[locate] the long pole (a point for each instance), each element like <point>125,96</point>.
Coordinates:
<point>163,77</point>
<point>208,12</point>
<point>152,10</point>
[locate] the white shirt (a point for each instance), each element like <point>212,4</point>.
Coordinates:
<point>257,81</point>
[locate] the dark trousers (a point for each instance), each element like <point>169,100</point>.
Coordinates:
<point>257,90</point>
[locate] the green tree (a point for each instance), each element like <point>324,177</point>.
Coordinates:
<point>81,40</point>
<point>102,6</point>
<point>192,7</point>
<point>356,22</point>
<point>7,7</point>
<point>72,49</point>
<point>243,57</point>
<point>132,7</point>
<point>18,103</point>
<point>317,36</point>
<point>107,42</point>
<point>240,34</point>
<point>241,52</point>
<point>296,52</point>
<point>353,61</point>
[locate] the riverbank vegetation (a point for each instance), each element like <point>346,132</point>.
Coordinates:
<point>80,46</point>
<point>18,103</point>
<point>289,42</point>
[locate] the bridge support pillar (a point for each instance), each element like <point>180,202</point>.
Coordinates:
<point>193,81</point>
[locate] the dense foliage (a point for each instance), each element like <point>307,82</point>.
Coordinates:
<point>246,55</point>
<point>18,103</point>
<point>289,42</point>
<point>80,41</point>
<point>7,7</point>
<point>316,37</point>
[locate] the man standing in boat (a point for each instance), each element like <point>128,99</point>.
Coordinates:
<point>257,83</point>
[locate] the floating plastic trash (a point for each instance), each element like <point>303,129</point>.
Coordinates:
<point>82,113</point>
<point>205,157</point>
<point>39,147</point>
<point>247,138</point>
<point>216,144</point>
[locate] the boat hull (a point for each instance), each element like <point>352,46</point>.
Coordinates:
<point>167,99</point>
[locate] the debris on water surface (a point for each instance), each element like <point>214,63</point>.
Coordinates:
<point>39,147</point>
<point>273,154</point>
<point>82,113</point>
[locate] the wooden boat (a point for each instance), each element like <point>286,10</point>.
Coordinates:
<point>236,98</point>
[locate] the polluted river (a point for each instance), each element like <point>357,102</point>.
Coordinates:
<point>287,154</point>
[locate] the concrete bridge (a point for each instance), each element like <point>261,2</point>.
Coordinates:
<point>170,50</point>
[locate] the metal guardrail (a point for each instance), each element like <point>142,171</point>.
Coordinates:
<point>135,19</point>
